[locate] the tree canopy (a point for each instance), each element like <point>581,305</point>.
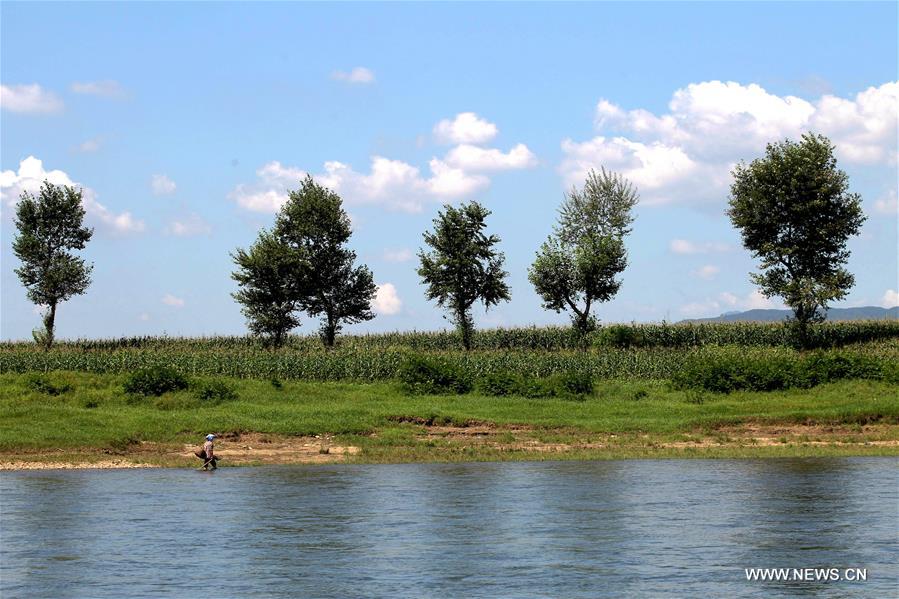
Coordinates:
<point>463,265</point>
<point>269,291</point>
<point>314,225</point>
<point>50,227</point>
<point>796,214</point>
<point>577,265</point>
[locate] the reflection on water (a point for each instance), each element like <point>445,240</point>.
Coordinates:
<point>572,529</point>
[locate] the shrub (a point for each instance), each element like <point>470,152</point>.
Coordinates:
<point>618,335</point>
<point>41,383</point>
<point>498,384</point>
<point>213,391</point>
<point>155,381</point>
<point>574,383</point>
<point>422,376</point>
<point>734,372</point>
<point>639,394</point>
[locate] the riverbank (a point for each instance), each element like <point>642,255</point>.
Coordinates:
<point>92,422</point>
<point>482,442</point>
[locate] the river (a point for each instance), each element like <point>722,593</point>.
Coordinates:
<point>635,528</point>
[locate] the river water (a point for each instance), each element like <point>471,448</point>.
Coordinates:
<point>638,528</point>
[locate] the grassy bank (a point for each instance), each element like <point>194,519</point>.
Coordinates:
<point>92,416</point>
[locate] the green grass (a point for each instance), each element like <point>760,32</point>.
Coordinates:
<point>96,413</point>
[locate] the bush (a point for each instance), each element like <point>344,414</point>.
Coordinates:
<point>422,376</point>
<point>155,381</point>
<point>41,383</point>
<point>618,335</point>
<point>213,391</point>
<point>566,385</point>
<point>498,384</point>
<point>734,372</point>
<point>574,383</point>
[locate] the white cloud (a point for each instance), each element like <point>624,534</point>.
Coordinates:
<point>395,184</point>
<point>143,316</point>
<point>466,128</point>
<point>890,298</point>
<point>356,75</point>
<point>106,89</point>
<point>170,300</point>
<point>401,255</point>
<point>162,185</point>
<point>30,177</point>
<point>449,183</point>
<point>687,153</point>
<point>91,145</point>
<point>887,204</point>
<point>191,226</point>
<point>707,272</point>
<point>387,301</point>
<point>474,158</point>
<point>29,99</point>
<point>728,302</point>
<point>683,246</point>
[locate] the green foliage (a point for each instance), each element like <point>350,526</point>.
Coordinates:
<point>726,373</point>
<point>41,383</point>
<point>155,380</point>
<point>796,214</point>
<point>498,384</point>
<point>424,376</point>
<point>565,385</point>
<point>213,392</point>
<point>575,383</point>
<point>269,294</point>
<point>32,422</point>
<point>314,225</point>
<point>657,352</point>
<point>50,227</point>
<point>577,265</point>
<point>620,336</point>
<point>463,266</point>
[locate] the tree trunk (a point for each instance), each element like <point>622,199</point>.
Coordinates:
<point>465,325</point>
<point>329,331</point>
<point>50,325</point>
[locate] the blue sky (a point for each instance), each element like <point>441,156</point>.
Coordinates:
<point>186,124</point>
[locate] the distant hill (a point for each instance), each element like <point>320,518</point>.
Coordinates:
<point>834,314</point>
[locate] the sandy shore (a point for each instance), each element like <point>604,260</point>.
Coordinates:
<point>479,441</point>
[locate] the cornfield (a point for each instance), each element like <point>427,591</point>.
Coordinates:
<point>663,335</point>
<point>535,352</point>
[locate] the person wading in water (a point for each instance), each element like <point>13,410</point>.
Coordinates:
<point>207,453</point>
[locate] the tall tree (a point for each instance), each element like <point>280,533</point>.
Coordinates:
<point>269,288</point>
<point>50,227</point>
<point>313,224</point>
<point>577,265</point>
<point>463,266</point>
<point>795,214</point>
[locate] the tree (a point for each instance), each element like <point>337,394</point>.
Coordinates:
<point>577,265</point>
<point>795,214</point>
<point>269,288</point>
<point>463,266</point>
<point>314,225</point>
<point>50,227</point>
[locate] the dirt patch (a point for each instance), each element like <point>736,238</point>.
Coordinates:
<point>234,449</point>
<point>521,438</point>
<point>256,448</point>
<point>42,465</point>
<point>433,421</point>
